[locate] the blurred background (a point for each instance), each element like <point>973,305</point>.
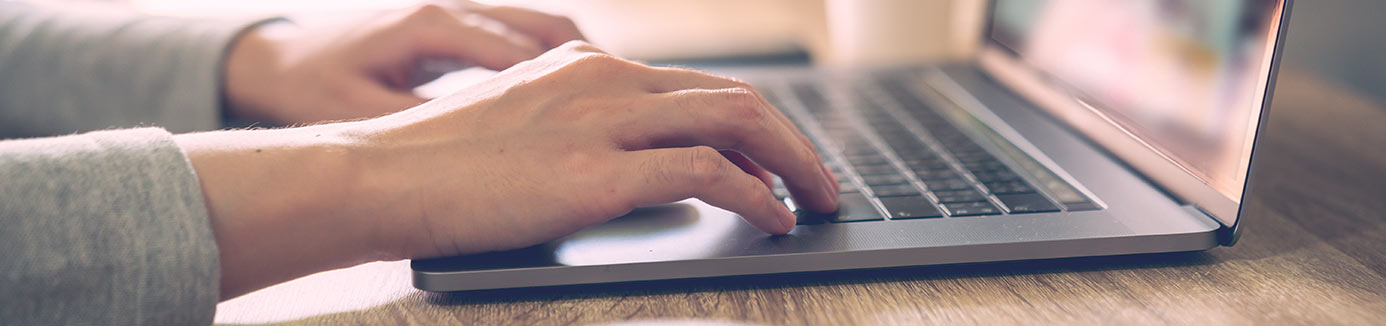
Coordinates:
<point>1338,40</point>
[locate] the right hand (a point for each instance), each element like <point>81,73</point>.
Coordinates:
<point>570,139</point>
<point>577,137</point>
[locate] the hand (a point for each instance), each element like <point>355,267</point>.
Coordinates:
<point>284,74</point>
<point>570,139</point>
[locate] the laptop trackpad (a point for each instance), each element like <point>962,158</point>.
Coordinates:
<point>684,230</point>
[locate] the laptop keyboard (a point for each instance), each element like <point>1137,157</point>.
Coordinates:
<point>889,172</point>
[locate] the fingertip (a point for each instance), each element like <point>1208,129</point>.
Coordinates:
<point>787,221</point>
<point>831,178</point>
<point>827,202</point>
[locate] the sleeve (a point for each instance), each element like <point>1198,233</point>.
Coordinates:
<point>107,227</point>
<point>85,68</point>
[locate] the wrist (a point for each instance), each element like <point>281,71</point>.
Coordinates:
<point>283,203</point>
<point>252,69</point>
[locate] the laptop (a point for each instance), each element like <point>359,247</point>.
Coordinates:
<point>1080,128</point>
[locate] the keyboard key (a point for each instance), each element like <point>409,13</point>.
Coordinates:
<point>876,169</point>
<point>948,184</point>
<point>910,207</point>
<point>1027,203</point>
<point>906,143</point>
<point>808,95</point>
<point>809,219</point>
<point>969,157</point>
<point>895,190</point>
<point>928,164</point>
<point>780,192</point>
<point>859,151</point>
<point>971,208</point>
<point>804,217</point>
<point>1082,206</point>
<point>884,179</point>
<point>846,187</point>
<point>1009,187</point>
<point>891,130</point>
<point>957,196</point>
<point>899,92</point>
<point>984,166</point>
<point>996,176</point>
<point>868,160</point>
<point>936,174</point>
<point>916,154</point>
<point>852,208</point>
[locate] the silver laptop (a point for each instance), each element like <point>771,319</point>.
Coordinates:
<point>1082,128</point>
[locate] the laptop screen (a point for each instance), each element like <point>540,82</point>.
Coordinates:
<point>1184,76</point>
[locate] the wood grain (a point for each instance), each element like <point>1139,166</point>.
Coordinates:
<point>1312,253</point>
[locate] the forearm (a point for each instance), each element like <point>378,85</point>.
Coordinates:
<point>106,227</point>
<point>75,69</point>
<point>280,203</point>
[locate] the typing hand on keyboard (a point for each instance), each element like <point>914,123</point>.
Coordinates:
<point>568,140</point>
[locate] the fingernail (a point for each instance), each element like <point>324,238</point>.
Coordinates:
<point>832,186</point>
<point>832,178</point>
<point>828,192</point>
<point>787,219</point>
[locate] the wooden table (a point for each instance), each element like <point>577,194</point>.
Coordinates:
<point>1313,251</point>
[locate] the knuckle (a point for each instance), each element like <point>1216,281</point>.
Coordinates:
<point>743,108</point>
<point>590,171</point>
<point>579,46</point>
<point>705,165</point>
<point>581,163</point>
<point>676,70</point>
<point>597,59</point>
<point>428,12</point>
<point>808,154</point>
<point>600,64</point>
<point>566,23</point>
<point>738,83</point>
<point>557,21</point>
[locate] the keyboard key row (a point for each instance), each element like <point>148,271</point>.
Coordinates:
<point>951,189</point>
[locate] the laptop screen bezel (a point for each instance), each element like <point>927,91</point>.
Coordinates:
<point>1085,116</point>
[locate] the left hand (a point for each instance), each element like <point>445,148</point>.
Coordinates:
<point>284,74</point>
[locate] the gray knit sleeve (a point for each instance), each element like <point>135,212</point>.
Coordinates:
<point>82,68</point>
<point>104,228</point>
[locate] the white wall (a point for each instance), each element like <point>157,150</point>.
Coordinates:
<point>1343,40</point>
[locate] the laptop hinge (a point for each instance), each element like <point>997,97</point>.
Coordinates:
<point>1227,235</point>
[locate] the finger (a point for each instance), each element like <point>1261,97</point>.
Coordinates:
<point>674,78</point>
<point>375,99</point>
<point>750,167</point>
<point>669,79</point>
<point>732,119</point>
<point>552,30</point>
<point>672,174</point>
<point>500,28</point>
<point>443,34</point>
